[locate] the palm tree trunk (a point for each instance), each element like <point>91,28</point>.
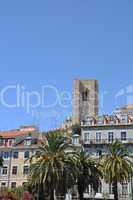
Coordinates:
<point>52,195</point>
<point>81,196</point>
<point>115,190</point>
<point>80,191</point>
<point>41,192</point>
<point>52,190</point>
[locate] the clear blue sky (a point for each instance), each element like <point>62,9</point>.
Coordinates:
<point>54,41</point>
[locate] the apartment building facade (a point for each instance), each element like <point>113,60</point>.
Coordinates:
<point>96,135</point>
<point>16,147</point>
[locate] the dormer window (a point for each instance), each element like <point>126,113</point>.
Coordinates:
<point>124,119</point>
<point>112,120</point>
<point>89,120</point>
<point>28,141</point>
<point>100,120</point>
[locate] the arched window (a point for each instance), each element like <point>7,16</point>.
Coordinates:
<point>85,95</point>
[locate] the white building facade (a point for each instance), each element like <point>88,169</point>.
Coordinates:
<point>96,135</point>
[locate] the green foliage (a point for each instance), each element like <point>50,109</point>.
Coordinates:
<point>51,161</point>
<point>58,166</point>
<point>18,193</point>
<point>117,163</point>
<point>87,173</point>
<point>116,166</point>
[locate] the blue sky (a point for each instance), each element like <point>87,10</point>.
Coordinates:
<point>51,42</point>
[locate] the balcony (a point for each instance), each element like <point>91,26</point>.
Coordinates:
<point>106,141</point>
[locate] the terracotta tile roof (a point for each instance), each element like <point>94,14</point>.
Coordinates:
<point>13,134</point>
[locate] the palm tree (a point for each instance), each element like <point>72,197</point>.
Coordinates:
<point>48,165</point>
<point>116,166</point>
<point>69,176</point>
<point>87,173</point>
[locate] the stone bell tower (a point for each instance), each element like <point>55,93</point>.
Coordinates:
<point>85,99</point>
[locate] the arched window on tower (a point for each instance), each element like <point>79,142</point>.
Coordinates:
<point>85,95</point>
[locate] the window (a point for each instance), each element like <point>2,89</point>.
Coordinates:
<point>124,119</point>
<point>86,137</point>
<point>110,189</point>
<point>1,141</point>
<point>112,119</point>
<point>1,155</point>
<point>26,170</point>
<point>75,140</point>
<point>10,142</point>
<point>91,191</point>
<point>15,154</point>
<point>6,142</point>
<point>13,185</point>
<point>100,188</point>
<point>28,142</point>
<point>14,170</point>
<point>85,96</point>
<point>4,170</point>
<point>99,152</point>
<point>3,184</point>
<point>89,121</point>
<point>124,188</point>
<point>6,155</point>
<point>123,136</point>
<point>87,190</point>
<point>26,154</point>
<point>98,137</point>
<point>110,136</point>
<point>100,120</point>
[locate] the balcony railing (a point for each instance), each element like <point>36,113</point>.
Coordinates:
<point>97,196</point>
<point>107,141</point>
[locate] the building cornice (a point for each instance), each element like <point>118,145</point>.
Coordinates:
<point>107,127</point>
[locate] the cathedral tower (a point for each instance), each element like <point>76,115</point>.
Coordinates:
<point>85,99</point>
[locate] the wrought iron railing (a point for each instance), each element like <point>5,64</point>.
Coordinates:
<point>107,141</point>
